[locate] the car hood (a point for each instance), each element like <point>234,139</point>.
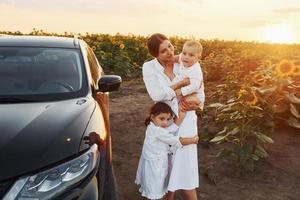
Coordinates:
<point>34,135</point>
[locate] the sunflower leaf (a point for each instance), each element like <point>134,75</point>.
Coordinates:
<point>293,122</point>
<point>215,105</point>
<point>293,98</point>
<point>294,111</point>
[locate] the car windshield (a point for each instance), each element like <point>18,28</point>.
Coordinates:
<point>40,74</point>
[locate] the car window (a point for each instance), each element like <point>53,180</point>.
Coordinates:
<point>40,71</point>
<point>96,70</point>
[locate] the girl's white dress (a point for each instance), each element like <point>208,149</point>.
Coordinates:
<point>184,173</point>
<point>152,172</point>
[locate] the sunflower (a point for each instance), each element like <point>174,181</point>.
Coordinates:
<point>285,68</point>
<point>296,71</point>
<point>99,38</point>
<point>211,55</point>
<point>122,46</point>
<point>229,50</point>
<point>244,53</point>
<point>259,78</point>
<point>252,100</point>
<point>241,93</point>
<point>268,63</point>
<point>227,58</point>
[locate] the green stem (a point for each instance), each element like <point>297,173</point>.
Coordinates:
<point>242,129</point>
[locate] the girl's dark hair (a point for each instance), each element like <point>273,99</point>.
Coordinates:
<point>156,109</point>
<point>153,43</point>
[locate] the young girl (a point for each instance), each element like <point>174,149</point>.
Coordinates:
<point>152,172</point>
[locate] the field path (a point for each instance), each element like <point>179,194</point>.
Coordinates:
<point>277,178</point>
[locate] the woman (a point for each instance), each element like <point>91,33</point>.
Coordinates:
<point>159,76</point>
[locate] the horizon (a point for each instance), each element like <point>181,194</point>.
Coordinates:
<point>248,21</point>
<point>61,34</point>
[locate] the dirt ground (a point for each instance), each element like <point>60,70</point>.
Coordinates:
<point>276,178</point>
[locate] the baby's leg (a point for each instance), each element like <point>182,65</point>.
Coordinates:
<point>169,196</point>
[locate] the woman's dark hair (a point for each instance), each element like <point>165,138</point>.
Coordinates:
<point>153,43</point>
<point>156,109</point>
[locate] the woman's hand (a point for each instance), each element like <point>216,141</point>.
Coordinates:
<point>189,103</point>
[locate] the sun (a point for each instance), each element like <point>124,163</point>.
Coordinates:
<point>281,33</point>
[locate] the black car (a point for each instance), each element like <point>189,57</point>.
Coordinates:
<point>55,140</point>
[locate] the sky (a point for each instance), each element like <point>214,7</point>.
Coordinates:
<point>276,21</point>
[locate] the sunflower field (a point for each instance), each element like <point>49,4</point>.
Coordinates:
<point>257,86</point>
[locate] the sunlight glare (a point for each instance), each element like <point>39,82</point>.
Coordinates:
<point>281,33</point>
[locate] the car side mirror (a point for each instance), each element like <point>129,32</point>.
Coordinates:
<point>109,83</point>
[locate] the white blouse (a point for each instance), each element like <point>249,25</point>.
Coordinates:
<point>158,83</point>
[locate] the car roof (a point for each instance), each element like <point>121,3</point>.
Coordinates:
<point>38,41</point>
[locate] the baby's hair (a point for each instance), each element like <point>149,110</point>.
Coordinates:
<point>195,44</point>
<point>156,109</point>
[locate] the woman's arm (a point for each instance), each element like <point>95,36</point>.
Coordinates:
<point>156,91</point>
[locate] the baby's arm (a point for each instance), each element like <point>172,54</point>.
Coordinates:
<point>196,81</point>
<point>180,84</point>
<point>176,59</point>
<point>194,85</point>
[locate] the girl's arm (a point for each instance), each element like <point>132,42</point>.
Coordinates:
<point>164,135</point>
<point>187,141</point>
<point>175,141</point>
<point>181,115</point>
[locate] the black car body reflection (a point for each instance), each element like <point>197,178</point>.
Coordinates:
<point>55,140</point>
